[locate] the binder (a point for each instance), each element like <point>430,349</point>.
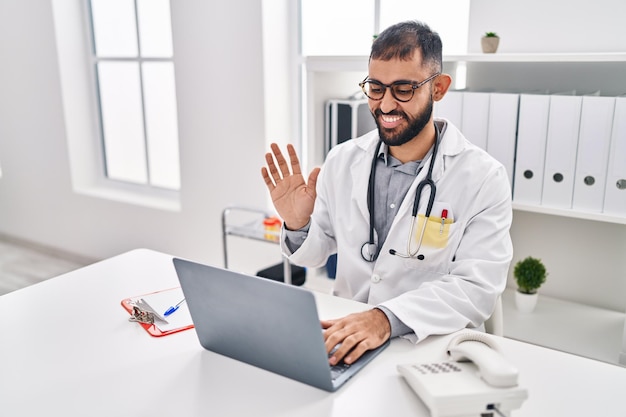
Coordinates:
<point>531,148</point>
<point>594,140</point>
<point>615,193</point>
<point>475,118</point>
<point>346,119</point>
<point>502,129</point>
<point>154,305</point>
<point>561,148</point>
<point>450,107</point>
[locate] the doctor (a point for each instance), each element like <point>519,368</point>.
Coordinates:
<point>418,216</point>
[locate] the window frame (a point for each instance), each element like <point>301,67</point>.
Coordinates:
<point>78,105</point>
<point>137,187</point>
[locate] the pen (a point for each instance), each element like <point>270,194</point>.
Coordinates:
<point>173,308</point>
<point>444,216</point>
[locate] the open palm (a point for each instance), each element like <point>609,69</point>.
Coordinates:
<point>293,198</point>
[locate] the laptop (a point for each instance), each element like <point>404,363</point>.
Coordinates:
<point>265,323</point>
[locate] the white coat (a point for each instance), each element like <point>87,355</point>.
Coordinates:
<point>464,269</point>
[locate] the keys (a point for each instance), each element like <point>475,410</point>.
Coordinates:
<point>340,368</point>
<point>337,370</point>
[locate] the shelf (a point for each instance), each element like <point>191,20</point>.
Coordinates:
<point>539,57</point>
<point>359,62</point>
<point>570,213</point>
<point>335,63</point>
<point>247,222</point>
<point>570,327</point>
<point>254,231</point>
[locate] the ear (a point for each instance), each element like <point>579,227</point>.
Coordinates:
<point>441,84</point>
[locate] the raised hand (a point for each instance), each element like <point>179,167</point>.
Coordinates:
<point>293,198</point>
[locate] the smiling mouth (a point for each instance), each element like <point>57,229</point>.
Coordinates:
<point>390,121</point>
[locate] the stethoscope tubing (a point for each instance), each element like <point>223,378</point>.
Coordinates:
<point>369,248</point>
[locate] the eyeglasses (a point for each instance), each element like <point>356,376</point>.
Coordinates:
<point>400,90</point>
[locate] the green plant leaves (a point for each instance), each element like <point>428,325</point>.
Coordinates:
<point>530,274</point>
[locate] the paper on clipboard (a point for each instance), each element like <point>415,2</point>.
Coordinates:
<point>163,300</point>
<point>158,303</point>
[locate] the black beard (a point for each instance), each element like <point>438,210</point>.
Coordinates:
<point>415,126</point>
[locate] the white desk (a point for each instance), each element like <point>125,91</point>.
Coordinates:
<point>67,348</point>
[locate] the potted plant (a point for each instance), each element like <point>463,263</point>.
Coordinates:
<point>530,274</point>
<point>489,42</point>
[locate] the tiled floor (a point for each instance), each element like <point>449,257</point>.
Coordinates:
<point>21,265</point>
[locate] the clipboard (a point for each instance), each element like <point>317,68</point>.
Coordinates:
<point>153,305</point>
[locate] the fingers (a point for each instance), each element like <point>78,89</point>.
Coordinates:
<point>266,177</point>
<point>280,159</point>
<point>327,323</point>
<point>293,158</point>
<point>351,356</point>
<point>357,333</point>
<point>273,175</point>
<point>277,166</point>
<point>312,182</point>
<point>349,351</point>
<point>333,334</point>
<point>352,348</point>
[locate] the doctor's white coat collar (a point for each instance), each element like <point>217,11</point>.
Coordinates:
<point>452,142</point>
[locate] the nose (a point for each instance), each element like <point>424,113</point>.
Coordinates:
<point>388,103</point>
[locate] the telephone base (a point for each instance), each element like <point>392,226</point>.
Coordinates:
<point>455,389</point>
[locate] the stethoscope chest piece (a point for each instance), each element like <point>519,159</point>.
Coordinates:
<point>368,251</point>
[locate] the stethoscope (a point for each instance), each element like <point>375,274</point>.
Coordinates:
<point>369,248</point>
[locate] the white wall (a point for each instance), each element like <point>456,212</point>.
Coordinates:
<point>222,136</point>
<point>281,76</point>
<point>549,26</point>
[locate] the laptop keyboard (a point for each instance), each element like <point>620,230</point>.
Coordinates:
<point>337,370</point>
<point>340,368</point>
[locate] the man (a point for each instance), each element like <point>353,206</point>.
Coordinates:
<point>435,271</point>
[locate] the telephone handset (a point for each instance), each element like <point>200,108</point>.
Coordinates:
<point>486,355</point>
<point>477,381</point>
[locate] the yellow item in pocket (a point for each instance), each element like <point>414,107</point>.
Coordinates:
<point>434,233</point>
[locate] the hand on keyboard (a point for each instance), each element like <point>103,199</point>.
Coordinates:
<point>356,334</point>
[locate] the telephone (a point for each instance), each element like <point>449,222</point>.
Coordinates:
<point>477,382</point>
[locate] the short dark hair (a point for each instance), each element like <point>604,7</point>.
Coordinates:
<point>401,40</point>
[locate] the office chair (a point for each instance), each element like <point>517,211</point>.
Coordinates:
<point>495,324</point>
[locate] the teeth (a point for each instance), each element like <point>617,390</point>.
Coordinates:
<point>390,119</point>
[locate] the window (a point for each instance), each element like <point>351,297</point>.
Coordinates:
<point>449,18</point>
<point>133,61</point>
<point>349,29</point>
<point>336,39</point>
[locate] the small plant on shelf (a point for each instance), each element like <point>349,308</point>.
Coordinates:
<point>489,42</point>
<point>530,274</point>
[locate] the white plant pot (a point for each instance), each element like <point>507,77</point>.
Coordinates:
<point>525,302</point>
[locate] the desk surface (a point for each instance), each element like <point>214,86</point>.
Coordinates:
<point>67,348</point>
